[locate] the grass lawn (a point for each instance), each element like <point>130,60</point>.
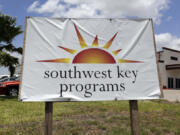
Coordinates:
<point>157,117</point>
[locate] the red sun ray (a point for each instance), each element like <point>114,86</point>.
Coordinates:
<point>68,50</point>
<point>108,44</point>
<point>81,40</point>
<point>116,51</point>
<point>128,61</point>
<point>95,42</point>
<point>61,60</point>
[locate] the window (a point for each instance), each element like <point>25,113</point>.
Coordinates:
<point>170,82</point>
<point>174,58</point>
<point>177,83</point>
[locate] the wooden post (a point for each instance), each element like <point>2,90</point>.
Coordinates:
<point>48,118</point>
<point>134,116</point>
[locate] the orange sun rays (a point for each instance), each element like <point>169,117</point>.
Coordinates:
<point>91,55</point>
<point>108,44</point>
<point>95,42</point>
<point>68,50</point>
<point>116,52</point>
<point>61,60</point>
<point>81,40</point>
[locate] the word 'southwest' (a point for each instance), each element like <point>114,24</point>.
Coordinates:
<point>74,73</point>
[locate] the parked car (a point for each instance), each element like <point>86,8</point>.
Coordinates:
<point>10,86</point>
<point>2,77</point>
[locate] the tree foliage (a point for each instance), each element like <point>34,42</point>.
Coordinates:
<point>8,31</point>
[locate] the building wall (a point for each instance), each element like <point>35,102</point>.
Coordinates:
<point>164,58</point>
<point>163,75</point>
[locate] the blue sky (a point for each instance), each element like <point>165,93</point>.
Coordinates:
<point>165,14</point>
<point>172,26</point>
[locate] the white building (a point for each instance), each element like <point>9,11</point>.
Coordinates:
<point>169,66</point>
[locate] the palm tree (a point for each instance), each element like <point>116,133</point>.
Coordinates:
<point>8,31</point>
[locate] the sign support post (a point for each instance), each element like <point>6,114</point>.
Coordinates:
<point>134,117</point>
<point>48,118</point>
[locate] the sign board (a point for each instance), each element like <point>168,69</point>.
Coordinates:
<point>89,60</point>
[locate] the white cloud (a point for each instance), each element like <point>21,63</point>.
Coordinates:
<point>167,40</point>
<point>17,55</point>
<point>51,6</point>
<point>33,7</point>
<point>102,8</point>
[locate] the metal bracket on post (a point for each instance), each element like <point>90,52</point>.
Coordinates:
<point>134,116</point>
<point>48,118</point>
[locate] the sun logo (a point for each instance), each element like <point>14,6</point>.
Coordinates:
<point>93,55</point>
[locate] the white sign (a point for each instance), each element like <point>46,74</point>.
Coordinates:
<point>89,60</point>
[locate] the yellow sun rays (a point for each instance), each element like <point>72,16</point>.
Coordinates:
<point>61,60</point>
<point>68,50</point>
<point>81,40</point>
<point>128,61</point>
<point>108,44</point>
<point>95,42</point>
<point>116,52</point>
<point>84,45</point>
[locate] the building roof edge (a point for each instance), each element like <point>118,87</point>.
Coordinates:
<point>171,49</point>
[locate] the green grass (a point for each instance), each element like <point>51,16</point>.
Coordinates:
<point>157,117</point>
